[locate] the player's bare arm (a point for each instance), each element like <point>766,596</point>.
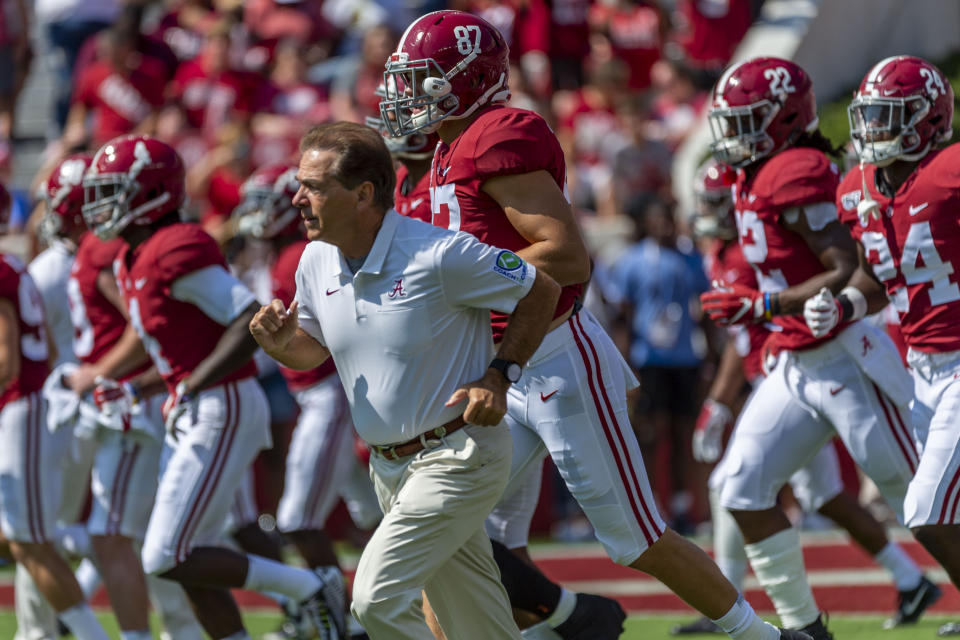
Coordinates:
<point>836,251</point>
<point>866,282</point>
<point>125,356</point>
<point>277,331</point>
<point>233,350</point>
<point>729,380</point>
<point>9,344</point>
<point>487,397</point>
<point>538,210</point>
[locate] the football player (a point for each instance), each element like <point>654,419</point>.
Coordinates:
<point>764,123</point>
<point>901,206</point>
<point>191,315</point>
<point>29,490</point>
<point>818,485</point>
<point>499,174</point>
<point>127,456</point>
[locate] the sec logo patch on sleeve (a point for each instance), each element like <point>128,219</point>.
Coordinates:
<point>511,266</point>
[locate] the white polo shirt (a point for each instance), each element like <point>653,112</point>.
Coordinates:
<point>412,324</point>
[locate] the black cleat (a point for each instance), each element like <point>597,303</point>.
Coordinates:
<point>793,634</point>
<point>593,618</point>
<point>911,604</point>
<point>817,630</point>
<point>700,625</point>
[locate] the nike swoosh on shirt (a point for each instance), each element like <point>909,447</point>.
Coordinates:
<point>914,210</point>
<point>139,283</point>
<point>415,203</point>
<point>834,392</point>
<point>544,398</point>
<point>330,292</point>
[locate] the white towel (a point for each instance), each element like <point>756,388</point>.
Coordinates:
<point>63,405</point>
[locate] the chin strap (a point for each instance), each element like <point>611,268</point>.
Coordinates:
<point>867,206</point>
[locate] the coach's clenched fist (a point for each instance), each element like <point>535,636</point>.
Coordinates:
<point>277,330</point>
<point>274,325</point>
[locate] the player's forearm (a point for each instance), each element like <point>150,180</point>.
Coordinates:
<point>301,353</point>
<point>9,344</point>
<point>729,380</point>
<point>564,260</point>
<point>234,349</point>
<point>149,383</point>
<point>529,321</point>
<point>791,300</point>
<point>126,355</point>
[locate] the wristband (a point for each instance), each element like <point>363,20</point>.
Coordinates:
<point>852,303</point>
<point>767,312</point>
<point>133,391</point>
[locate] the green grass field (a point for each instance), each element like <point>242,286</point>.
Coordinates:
<point>638,627</point>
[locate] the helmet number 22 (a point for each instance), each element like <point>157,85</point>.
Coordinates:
<point>780,80</point>
<point>465,43</point>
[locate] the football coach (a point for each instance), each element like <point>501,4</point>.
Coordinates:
<point>403,307</point>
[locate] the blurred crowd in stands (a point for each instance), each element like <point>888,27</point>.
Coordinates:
<point>233,84</point>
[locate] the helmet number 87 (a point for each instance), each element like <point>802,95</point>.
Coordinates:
<point>464,43</point>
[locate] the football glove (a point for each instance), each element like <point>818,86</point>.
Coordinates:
<point>712,424</point>
<point>732,304</point>
<point>115,402</point>
<point>822,313</point>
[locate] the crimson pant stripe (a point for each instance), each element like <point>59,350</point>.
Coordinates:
<point>904,446</point>
<point>327,460</point>
<point>911,447</point>
<point>183,538</point>
<point>31,462</point>
<point>118,501</point>
<point>620,431</point>
<point>949,497</point>
<point>117,475</point>
<point>607,433</point>
<point>230,431</point>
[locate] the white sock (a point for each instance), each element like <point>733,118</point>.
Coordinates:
<point>88,577</point>
<point>742,622</point>
<point>136,635</point>
<point>727,543</point>
<point>906,573</point>
<point>268,575</point>
<point>81,621</point>
<point>778,565</point>
<point>568,600</point>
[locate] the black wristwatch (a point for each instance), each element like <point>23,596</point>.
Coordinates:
<point>509,369</point>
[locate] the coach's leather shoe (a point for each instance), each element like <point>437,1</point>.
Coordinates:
<point>817,630</point>
<point>911,604</point>
<point>593,618</point>
<point>793,634</point>
<point>702,624</point>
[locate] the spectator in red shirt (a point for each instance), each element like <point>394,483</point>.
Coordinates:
<point>353,95</point>
<point>185,26</point>
<point>15,57</point>
<point>714,29</point>
<point>291,106</point>
<point>210,90</point>
<point>123,91</point>
<point>569,41</point>
<point>214,183</point>
<point>588,124</point>
<point>635,30</point>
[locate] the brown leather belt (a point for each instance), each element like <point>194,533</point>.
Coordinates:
<point>418,444</point>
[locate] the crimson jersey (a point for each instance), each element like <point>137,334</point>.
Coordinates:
<point>412,200</point>
<point>781,258</point>
<point>914,245</point>
<point>283,276</point>
<point>501,141</point>
<point>177,335</point>
<point>97,323</point>
<point>17,286</point>
<point>727,264</point>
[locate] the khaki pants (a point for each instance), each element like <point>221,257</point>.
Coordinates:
<point>432,539</point>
